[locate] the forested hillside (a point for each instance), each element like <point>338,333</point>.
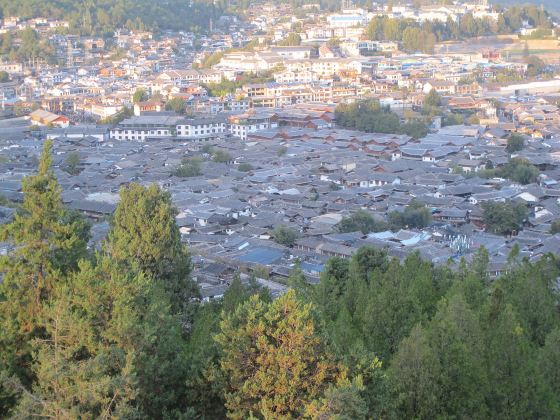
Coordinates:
<point>552,5</point>
<point>120,333</point>
<point>104,16</point>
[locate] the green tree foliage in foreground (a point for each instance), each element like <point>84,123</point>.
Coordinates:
<point>371,117</point>
<point>92,335</point>
<point>273,361</point>
<point>48,240</point>
<point>106,334</point>
<point>145,238</point>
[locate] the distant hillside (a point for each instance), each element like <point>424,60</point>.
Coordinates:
<point>549,5</point>
<point>103,16</point>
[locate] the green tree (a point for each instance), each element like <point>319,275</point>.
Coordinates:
<point>529,288</point>
<point>535,66</point>
<point>433,99</point>
<point>513,390</point>
<point>547,363</point>
<point>204,381</point>
<point>367,115</point>
<point>145,238</point>
<point>515,143</point>
<point>284,235</point>
<point>411,39</point>
<point>139,95</point>
<point>503,218</point>
<point>245,167</point>
<point>274,362</point>
<point>480,262</point>
<point>415,129</point>
<point>519,170</point>
<point>189,167</point>
<point>415,215</point>
<point>343,401</point>
<point>331,288</point>
<point>293,39</point>
<point>414,374</point>
<point>47,243</point>
<point>71,163</point>
<point>361,221</point>
<point>112,348</point>
<point>221,156</point>
<point>555,227</point>
<point>456,338</point>
<point>176,105</point>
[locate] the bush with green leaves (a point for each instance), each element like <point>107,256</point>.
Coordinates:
<point>189,167</point>
<point>285,235</point>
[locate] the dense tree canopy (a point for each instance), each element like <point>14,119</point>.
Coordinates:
<point>274,362</point>
<point>285,235</point>
<point>361,221</point>
<point>176,104</point>
<point>515,143</point>
<point>106,335</point>
<point>516,169</point>
<point>145,238</point>
<point>422,37</point>
<point>370,116</point>
<point>504,218</point>
<point>104,16</point>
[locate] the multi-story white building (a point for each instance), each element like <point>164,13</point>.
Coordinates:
<point>158,126</point>
<point>144,127</point>
<point>200,128</point>
<point>241,125</point>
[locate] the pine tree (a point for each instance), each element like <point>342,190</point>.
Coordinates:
<point>48,241</point>
<point>144,237</point>
<point>548,362</point>
<point>73,378</point>
<point>510,363</point>
<point>273,360</point>
<point>414,374</point>
<point>480,262</point>
<point>456,338</point>
<point>341,402</point>
<point>111,348</point>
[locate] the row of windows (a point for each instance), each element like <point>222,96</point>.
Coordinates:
<point>133,132</point>
<point>179,127</point>
<point>197,132</point>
